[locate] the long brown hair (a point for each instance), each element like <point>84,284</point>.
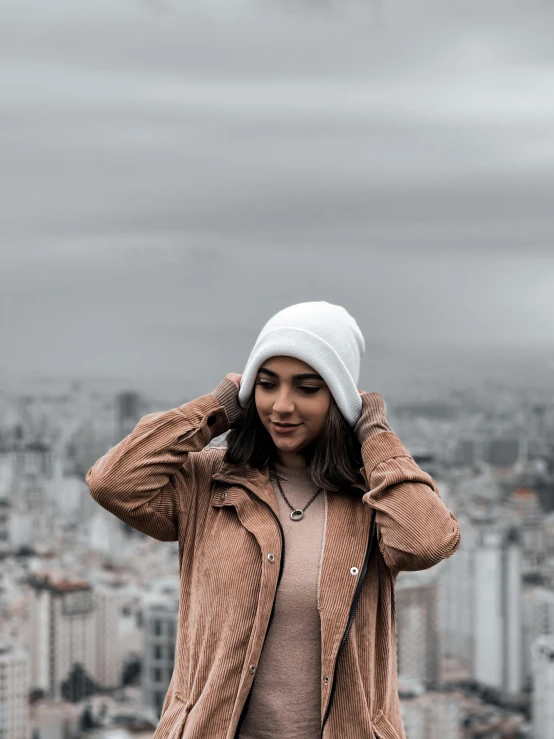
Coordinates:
<point>334,458</point>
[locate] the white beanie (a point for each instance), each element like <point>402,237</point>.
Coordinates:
<point>323,335</point>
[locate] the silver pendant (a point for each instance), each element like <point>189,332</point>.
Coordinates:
<point>297,515</point>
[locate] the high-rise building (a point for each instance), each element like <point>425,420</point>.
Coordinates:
<point>456,575</point>
<point>538,620</point>
<point>468,451</point>
<point>548,527</point>
<point>109,601</point>
<point>525,503</point>
<point>505,451</point>
<point>481,600</point>
<point>129,412</point>
<point>14,692</point>
<point>5,542</point>
<point>28,458</point>
<point>498,611</point>
<point>62,634</point>
<point>543,687</point>
<point>159,622</point>
<point>418,627</point>
<point>103,534</point>
<point>538,436</point>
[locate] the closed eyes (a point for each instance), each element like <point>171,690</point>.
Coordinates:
<point>309,390</point>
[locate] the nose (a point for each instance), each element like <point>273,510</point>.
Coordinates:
<point>283,403</point>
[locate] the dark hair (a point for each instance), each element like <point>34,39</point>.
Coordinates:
<point>334,458</point>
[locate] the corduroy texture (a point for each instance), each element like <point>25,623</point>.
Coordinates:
<point>161,481</point>
<point>226,392</point>
<point>323,335</point>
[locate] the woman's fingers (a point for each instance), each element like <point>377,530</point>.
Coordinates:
<point>236,378</point>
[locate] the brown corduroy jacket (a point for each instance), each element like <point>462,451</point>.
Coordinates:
<point>162,481</point>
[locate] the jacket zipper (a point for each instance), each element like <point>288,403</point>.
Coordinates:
<point>322,546</point>
<point>353,609</point>
<point>281,566</point>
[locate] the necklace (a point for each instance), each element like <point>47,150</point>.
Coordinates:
<point>297,514</point>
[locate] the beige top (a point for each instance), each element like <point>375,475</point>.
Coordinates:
<point>286,693</point>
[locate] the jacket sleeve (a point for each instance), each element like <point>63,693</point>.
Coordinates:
<point>141,480</point>
<point>415,528</point>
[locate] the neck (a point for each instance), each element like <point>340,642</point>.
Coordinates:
<point>292,460</point>
<point>295,477</point>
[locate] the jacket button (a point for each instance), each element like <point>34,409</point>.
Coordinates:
<point>271,557</point>
<point>211,420</point>
<point>252,669</point>
<point>325,678</point>
<point>353,570</point>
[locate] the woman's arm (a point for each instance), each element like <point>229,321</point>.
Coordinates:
<point>142,479</point>
<point>416,529</point>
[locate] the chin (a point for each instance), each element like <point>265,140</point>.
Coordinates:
<point>282,442</point>
<point>288,445</point>
<point>284,447</point>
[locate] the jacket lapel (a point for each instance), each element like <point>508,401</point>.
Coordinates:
<point>255,480</point>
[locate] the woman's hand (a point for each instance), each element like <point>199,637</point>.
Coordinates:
<point>227,393</point>
<point>235,378</point>
<point>373,418</point>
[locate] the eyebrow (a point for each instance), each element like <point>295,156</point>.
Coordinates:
<point>300,376</point>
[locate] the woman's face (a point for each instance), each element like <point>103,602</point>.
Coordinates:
<point>289,391</point>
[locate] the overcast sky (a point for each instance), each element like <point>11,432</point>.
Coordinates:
<point>173,173</point>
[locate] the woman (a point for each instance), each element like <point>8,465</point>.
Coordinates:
<point>290,539</point>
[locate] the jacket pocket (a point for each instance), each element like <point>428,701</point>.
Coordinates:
<point>383,728</point>
<point>173,720</point>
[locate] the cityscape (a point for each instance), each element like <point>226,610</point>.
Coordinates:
<point>176,171</point>
<point>88,605</point>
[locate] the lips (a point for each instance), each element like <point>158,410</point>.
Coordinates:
<point>284,428</point>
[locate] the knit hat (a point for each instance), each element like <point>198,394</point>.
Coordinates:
<point>323,335</point>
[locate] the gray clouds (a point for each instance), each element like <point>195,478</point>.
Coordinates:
<point>161,161</point>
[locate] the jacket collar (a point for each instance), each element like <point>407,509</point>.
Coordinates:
<point>258,479</point>
<point>251,478</point>
<point>243,474</point>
